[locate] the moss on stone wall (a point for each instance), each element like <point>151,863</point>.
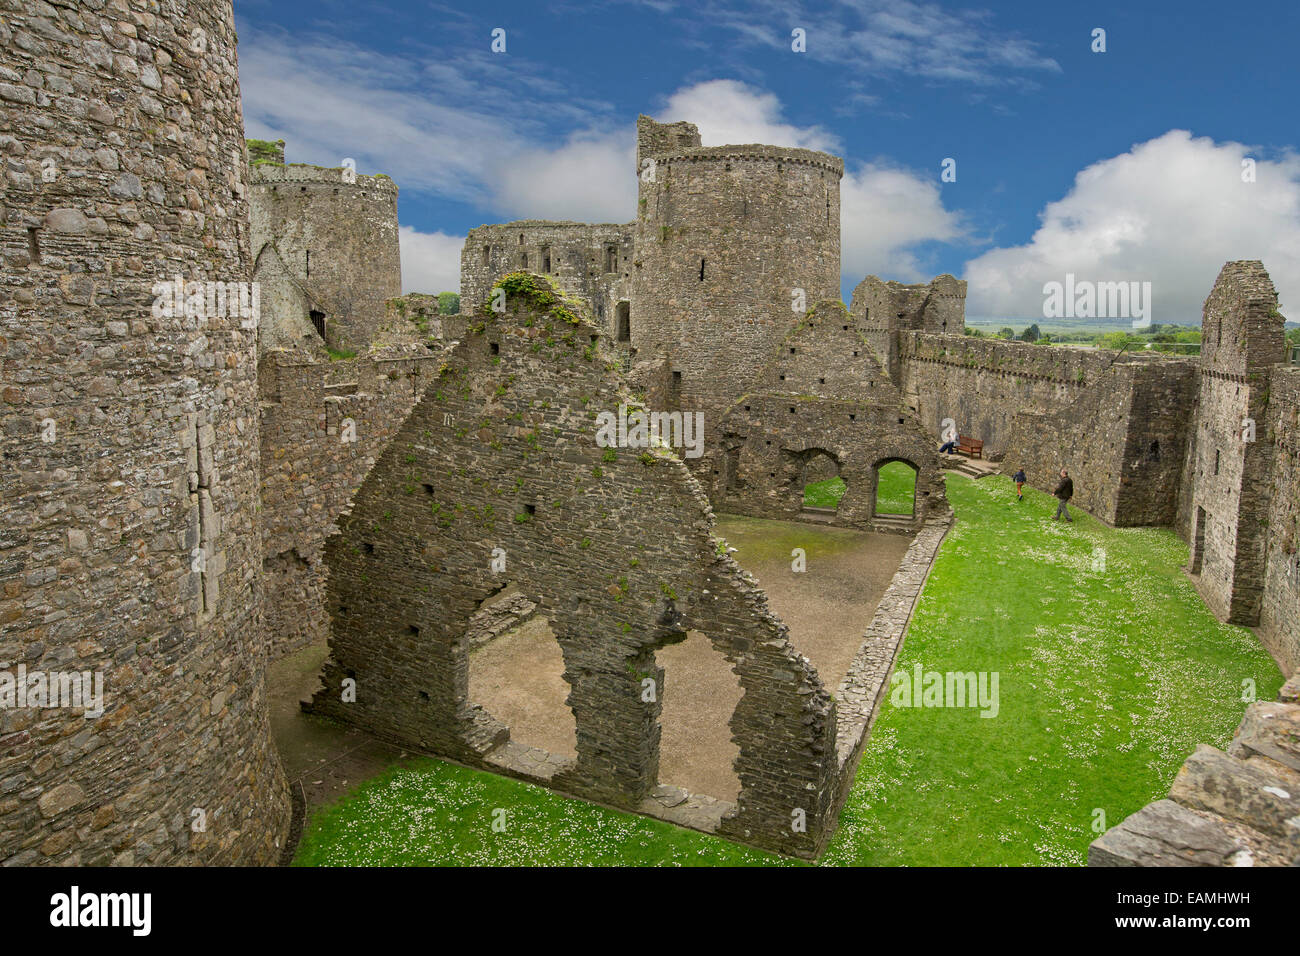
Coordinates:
<point>262,151</point>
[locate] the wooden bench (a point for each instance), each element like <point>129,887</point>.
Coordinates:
<point>970,447</point>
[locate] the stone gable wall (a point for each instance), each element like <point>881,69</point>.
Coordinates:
<point>822,390</point>
<point>616,551</point>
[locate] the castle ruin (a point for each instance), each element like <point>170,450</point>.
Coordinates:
<point>191,488</point>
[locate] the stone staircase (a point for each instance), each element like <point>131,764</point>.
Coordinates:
<point>970,467</point>
<point>893,523</point>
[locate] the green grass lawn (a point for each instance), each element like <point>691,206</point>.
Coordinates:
<point>895,490</point>
<point>431,813</point>
<point>824,494</point>
<point>1110,670</point>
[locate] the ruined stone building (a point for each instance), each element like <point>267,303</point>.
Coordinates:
<point>707,295</point>
<point>326,257</point>
<point>325,253</point>
<point>192,486</point>
<point>613,547</point>
<point>727,239</point>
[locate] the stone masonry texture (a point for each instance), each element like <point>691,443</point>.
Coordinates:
<point>592,261</point>
<point>1228,468</point>
<point>322,426</point>
<point>733,245</point>
<point>129,542</point>
<point>1279,615</point>
<point>326,245</point>
<point>822,396</point>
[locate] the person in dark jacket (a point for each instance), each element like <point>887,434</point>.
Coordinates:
<point>1064,491</point>
<point>1020,479</point>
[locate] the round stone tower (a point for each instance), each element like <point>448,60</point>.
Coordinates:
<point>733,243</point>
<point>325,252</point>
<point>129,545</point>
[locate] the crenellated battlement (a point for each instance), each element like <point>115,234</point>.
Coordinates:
<point>753,153</point>
<point>272,174</point>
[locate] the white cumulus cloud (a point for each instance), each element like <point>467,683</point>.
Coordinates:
<point>590,178</point>
<point>885,213</point>
<point>1171,212</point>
<point>430,260</point>
<point>729,112</point>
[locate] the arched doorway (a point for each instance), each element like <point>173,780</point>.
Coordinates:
<point>896,488</point>
<point>823,487</point>
<point>516,674</point>
<point>700,692</point>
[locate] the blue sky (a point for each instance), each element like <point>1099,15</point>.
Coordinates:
<point>1122,165</point>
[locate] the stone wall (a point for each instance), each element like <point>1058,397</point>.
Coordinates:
<point>1279,618</point>
<point>128,537</point>
<point>593,261</point>
<point>1122,439</point>
<point>614,546</point>
<point>1228,469</point>
<point>654,138</point>
<point>323,424</point>
<point>1117,422</point>
<point>414,319</point>
<point>882,309</point>
<point>325,245</point>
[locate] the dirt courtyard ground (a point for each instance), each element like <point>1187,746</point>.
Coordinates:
<point>518,677</point>
<point>829,605</point>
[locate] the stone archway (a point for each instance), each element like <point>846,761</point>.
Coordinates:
<point>700,693</point>
<point>516,674</point>
<point>894,488</point>
<point>821,485</point>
